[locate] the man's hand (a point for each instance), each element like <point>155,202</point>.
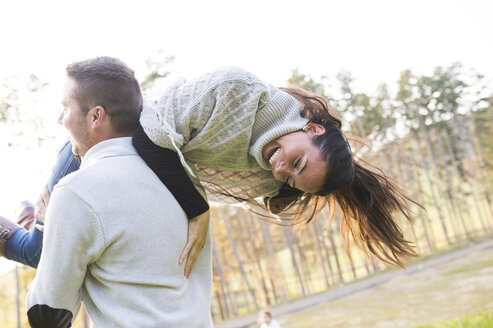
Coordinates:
<point>197,233</point>
<point>41,206</point>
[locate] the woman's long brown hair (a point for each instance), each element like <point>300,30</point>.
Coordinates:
<point>370,202</point>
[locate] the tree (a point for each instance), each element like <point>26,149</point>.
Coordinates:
<point>158,66</point>
<point>18,98</point>
<point>306,82</point>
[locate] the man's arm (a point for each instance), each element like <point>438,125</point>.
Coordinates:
<point>73,240</point>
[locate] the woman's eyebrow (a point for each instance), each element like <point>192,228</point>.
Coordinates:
<point>304,166</point>
<point>306,163</point>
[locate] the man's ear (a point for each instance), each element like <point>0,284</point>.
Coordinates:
<point>97,115</point>
<point>315,129</point>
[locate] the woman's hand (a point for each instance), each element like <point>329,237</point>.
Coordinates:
<point>41,206</point>
<point>197,233</point>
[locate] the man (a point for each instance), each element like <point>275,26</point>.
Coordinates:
<point>113,232</point>
<point>267,321</point>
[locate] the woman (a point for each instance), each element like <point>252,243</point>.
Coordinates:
<point>248,139</point>
<point>243,139</point>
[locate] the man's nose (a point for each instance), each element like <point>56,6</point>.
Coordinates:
<point>60,118</point>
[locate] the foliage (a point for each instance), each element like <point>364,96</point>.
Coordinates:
<point>18,100</point>
<point>12,90</point>
<point>306,82</point>
<point>158,67</point>
<point>434,134</point>
<point>480,320</point>
<point>471,268</point>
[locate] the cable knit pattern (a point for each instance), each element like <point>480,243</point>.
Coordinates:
<point>220,122</point>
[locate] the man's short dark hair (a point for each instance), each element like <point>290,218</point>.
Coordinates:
<point>109,83</point>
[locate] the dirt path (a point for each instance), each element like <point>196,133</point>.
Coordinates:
<point>453,284</point>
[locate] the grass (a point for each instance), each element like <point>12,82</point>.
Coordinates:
<point>470,268</point>
<point>479,320</point>
<point>407,300</point>
<point>450,249</point>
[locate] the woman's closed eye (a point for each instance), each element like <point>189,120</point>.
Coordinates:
<point>296,166</point>
<point>297,163</point>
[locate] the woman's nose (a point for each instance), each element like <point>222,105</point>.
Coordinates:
<point>281,170</point>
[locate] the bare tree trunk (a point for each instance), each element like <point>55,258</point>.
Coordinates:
<point>318,254</point>
<point>484,181</point>
<point>455,171</point>
<point>438,175</point>
<point>220,305</point>
<point>472,172</point>
<point>240,264</point>
<point>336,255</point>
<point>374,263</point>
<point>351,264</point>
<point>219,269</point>
<point>272,264</point>
<point>451,189</point>
<point>293,259</point>
<point>432,189</point>
<point>367,266</point>
<point>414,176</point>
<point>397,164</point>
<point>305,272</point>
<point>230,294</point>
<point>256,260</point>
<point>374,260</point>
<point>324,246</point>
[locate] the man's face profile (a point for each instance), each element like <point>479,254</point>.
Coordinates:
<point>74,120</point>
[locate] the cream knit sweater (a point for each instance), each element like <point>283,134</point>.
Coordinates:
<point>220,122</point>
<point>113,236</point>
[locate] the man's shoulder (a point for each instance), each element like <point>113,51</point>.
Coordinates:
<point>79,177</point>
<point>107,170</point>
<point>113,174</point>
<point>77,183</point>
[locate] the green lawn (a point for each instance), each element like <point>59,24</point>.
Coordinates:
<point>446,295</point>
<point>479,320</point>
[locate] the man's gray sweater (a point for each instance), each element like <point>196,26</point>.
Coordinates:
<point>113,237</point>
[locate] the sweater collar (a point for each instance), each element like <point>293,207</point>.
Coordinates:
<point>108,148</point>
<point>279,117</point>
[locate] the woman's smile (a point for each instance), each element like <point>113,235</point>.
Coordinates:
<point>274,156</point>
<point>295,160</point>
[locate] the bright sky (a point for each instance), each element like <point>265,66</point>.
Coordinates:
<point>375,40</point>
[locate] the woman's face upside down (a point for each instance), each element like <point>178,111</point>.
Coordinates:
<point>295,160</point>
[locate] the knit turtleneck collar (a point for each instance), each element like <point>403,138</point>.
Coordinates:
<point>279,117</point>
<point>108,148</point>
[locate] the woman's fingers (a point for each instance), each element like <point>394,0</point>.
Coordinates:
<point>197,234</point>
<point>40,227</point>
<point>192,257</point>
<point>186,250</point>
<point>42,205</point>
